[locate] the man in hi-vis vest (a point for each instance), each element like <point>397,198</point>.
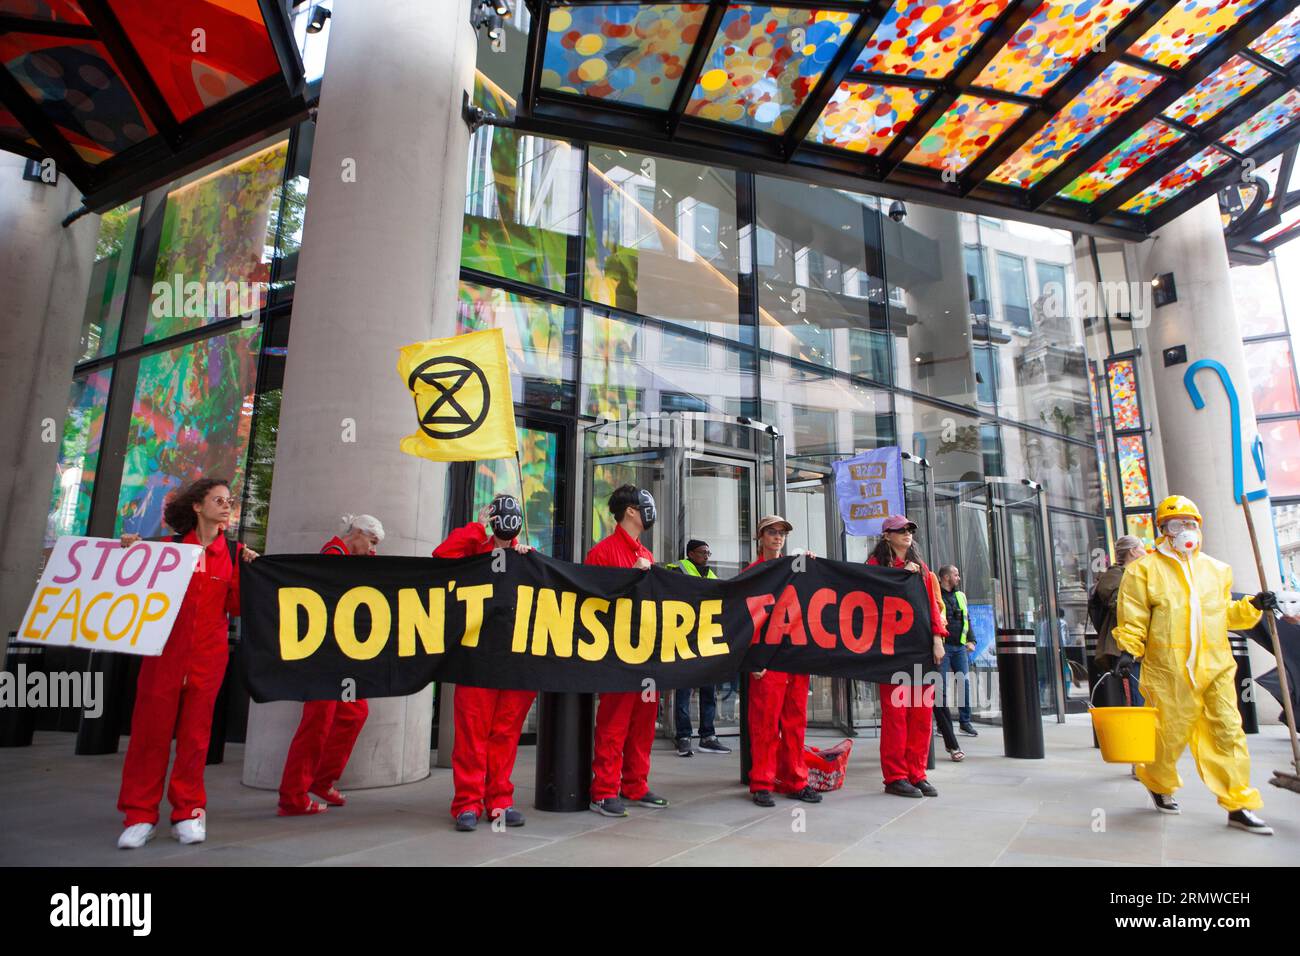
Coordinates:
<point>958,647</point>
<point>696,565</point>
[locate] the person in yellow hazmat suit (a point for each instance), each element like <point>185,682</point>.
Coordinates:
<point>1174,612</point>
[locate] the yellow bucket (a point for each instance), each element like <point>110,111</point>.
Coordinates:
<point>1126,734</point>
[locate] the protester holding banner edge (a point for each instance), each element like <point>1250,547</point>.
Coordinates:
<point>177,691</point>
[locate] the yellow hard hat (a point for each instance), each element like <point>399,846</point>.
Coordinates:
<point>1176,506</point>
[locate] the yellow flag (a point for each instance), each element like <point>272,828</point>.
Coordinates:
<point>461,387</point>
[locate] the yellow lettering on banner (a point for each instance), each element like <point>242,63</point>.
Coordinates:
<point>413,618</point>
<point>474,597</point>
<point>146,615</point>
<point>108,618</point>
<point>294,647</point>
<point>39,609</point>
<point>598,646</point>
<point>554,622</point>
<point>710,630</point>
<point>523,611</point>
<point>640,652</point>
<point>86,632</point>
<point>73,598</point>
<point>679,621</point>
<point>381,621</point>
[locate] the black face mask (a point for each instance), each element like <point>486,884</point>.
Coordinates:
<point>646,505</point>
<point>506,517</point>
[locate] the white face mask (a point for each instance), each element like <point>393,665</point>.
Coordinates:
<point>1186,542</point>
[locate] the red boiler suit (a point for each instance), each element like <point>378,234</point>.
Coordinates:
<point>907,712</point>
<point>778,721</point>
<point>176,692</point>
<point>487,721</point>
<point>323,743</point>
<point>625,724</point>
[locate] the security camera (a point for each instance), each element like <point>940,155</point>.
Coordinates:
<point>897,211</point>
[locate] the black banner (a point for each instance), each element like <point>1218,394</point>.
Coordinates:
<point>510,620</point>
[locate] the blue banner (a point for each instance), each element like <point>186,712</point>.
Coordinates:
<point>869,487</point>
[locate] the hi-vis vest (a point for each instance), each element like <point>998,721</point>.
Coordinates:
<point>965,616</point>
<point>687,566</point>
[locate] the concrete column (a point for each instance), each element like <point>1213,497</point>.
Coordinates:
<point>1197,445</point>
<point>378,270</point>
<point>44,274</point>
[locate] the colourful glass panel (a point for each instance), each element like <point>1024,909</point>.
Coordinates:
<point>79,89</point>
<point>215,237</point>
<point>1142,527</point>
<point>1105,99</point>
<point>1124,406</point>
<point>191,417</point>
<point>1281,456</point>
<point>1105,474</point>
<point>9,126</point>
<point>927,37</point>
<point>57,11</point>
<point>1129,156</point>
<point>1280,42</point>
<point>1217,91</point>
<point>539,342</point>
<point>1135,485</point>
<point>74,477</point>
<point>235,52</point>
<point>622,53</point>
<point>1271,372</point>
<point>1268,121</point>
<point>962,133</point>
<point>764,63</point>
<point>1205,163</point>
<point>114,253</point>
<point>864,118</point>
<point>538,467</point>
<point>1050,43</point>
<point>1189,28</point>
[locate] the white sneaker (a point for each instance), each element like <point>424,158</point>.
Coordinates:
<point>136,836</point>
<point>191,831</point>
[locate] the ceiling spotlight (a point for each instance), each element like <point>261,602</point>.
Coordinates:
<point>502,8</point>
<point>318,17</point>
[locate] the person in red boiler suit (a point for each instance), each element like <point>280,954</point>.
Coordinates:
<point>906,711</point>
<point>625,722</point>
<point>778,707</point>
<point>176,691</point>
<point>487,720</point>
<point>329,729</point>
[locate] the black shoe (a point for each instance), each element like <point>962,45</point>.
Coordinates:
<point>684,747</point>
<point>712,745</point>
<point>764,798</point>
<point>926,788</point>
<point>609,807</point>
<point>652,801</point>
<point>1166,803</point>
<point>467,821</point>
<point>901,788</point>
<point>967,730</point>
<point>513,817</point>
<point>1245,820</point>
<point>807,795</point>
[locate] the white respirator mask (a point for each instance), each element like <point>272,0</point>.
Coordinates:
<point>1184,535</point>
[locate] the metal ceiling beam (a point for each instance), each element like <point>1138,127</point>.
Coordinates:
<point>279,30</point>
<point>1012,19</point>
<point>1084,72</point>
<point>1174,156</point>
<point>533,58</point>
<point>46,28</point>
<point>839,68</point>
<point>1170,91</point>
<point>695,64</point>
<point>41,129</point>
<point>132,68</point>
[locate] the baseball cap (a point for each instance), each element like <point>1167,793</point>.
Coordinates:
<point>898,523</point>
<point>769,520</point>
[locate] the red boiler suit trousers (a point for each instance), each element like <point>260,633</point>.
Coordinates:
<point>488,723</point>
<point>625,732</point>
<point>778,719</point>
<point>906,722</point>
<point>321,748</point>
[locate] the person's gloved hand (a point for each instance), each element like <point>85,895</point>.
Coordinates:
<point>1124,666</point>
<point>1265,601</point>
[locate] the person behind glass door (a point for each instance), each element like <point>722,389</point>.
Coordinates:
<point>958,647</point>
<point>941,716</point>
<point>323,742</point>
<point>176,691</point>
<point>487,721</point>
<point>906,710</point>
<point>778,706</point>
<point>696,565</point>
<point>625,721</point>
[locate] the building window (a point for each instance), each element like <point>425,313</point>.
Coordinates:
<point>1015,291</point>
<point>977,286</point>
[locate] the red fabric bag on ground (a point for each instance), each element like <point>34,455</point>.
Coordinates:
<point>826,768</point>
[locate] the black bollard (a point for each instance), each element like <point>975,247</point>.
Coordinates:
<point>564,747</point>
<point>1245,698</point>
<point>99,735</point>
<point>18,723</point>
<point>1022,717</point>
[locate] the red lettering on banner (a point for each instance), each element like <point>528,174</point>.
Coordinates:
<point>72,559</point>
<point>758,611</point>
<point>896,618</point>
<point>787,619</point>
<point>821,637</point>
<point>168,554</point>
<point>860,641</point>
<point>122,579</point>
<point>104,548</point>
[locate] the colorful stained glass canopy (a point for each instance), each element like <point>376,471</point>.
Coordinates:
<point>125,94</point>
<point>1112,116</point>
